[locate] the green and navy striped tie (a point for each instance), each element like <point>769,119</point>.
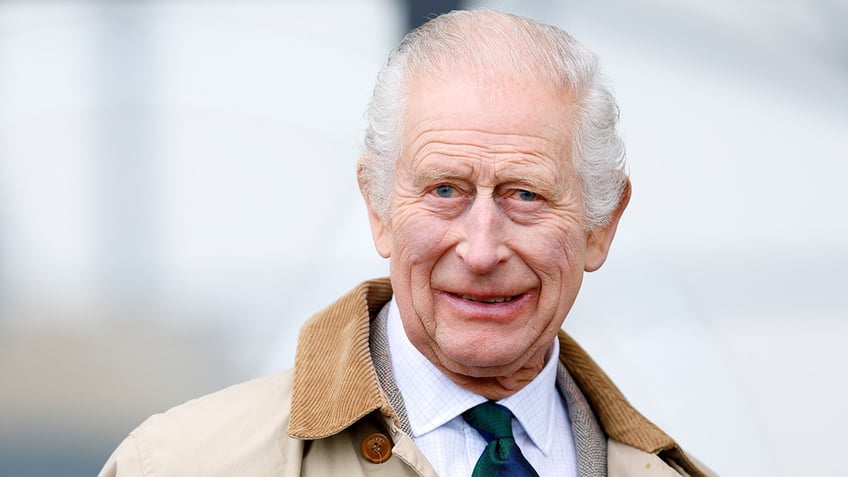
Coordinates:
<point>502,457</point>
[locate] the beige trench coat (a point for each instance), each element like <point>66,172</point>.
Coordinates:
<point>312,421</point>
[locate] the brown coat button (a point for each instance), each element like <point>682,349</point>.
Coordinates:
<point>376,448</point>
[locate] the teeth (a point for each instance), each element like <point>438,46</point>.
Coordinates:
<point>500,299</point>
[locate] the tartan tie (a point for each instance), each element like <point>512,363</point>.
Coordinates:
<point>501,457</point>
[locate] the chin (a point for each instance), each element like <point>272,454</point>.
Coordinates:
<point>479,363</point>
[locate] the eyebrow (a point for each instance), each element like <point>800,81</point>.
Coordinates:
<point>436,175</point>
<point>534,183</point>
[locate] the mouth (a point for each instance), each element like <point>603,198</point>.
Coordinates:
<point>488,307</point>
<point>486,300</point>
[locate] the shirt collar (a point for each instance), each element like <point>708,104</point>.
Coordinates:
<point>431,399</point>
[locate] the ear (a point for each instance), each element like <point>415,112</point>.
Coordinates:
<point>598,241</point>
<point>381,230</point>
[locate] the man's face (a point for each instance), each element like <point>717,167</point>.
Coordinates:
<point>485,232</point>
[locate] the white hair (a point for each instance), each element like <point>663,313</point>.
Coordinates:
<point>485,40</point>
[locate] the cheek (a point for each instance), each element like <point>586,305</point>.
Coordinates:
<point>421,240</point>
<point>555,252</point>
<point>557,259</point>
<point>416,251</point>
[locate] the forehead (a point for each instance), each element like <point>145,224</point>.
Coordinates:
<point>496,111</point>
<point>513,128</point>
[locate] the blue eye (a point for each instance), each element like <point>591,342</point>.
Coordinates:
<point>525,195</point>
<point>444,191</point>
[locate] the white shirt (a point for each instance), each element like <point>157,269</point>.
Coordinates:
<point>434,405</point>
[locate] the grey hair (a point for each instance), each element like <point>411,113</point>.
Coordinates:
<point>485,40</point>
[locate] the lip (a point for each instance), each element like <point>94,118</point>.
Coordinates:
<point>487,307</point>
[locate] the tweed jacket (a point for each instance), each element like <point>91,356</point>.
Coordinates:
<point>316,419</point>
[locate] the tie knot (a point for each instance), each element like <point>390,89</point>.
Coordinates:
<point>491,420</point>
<point>501,455</point>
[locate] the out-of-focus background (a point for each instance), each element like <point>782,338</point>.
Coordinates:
<point>177,196</point>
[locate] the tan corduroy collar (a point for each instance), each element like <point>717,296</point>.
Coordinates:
<point>335,384</point>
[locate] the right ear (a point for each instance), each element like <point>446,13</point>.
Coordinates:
<point>381,230</point>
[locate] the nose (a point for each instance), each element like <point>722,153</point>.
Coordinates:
<point>483,245</point>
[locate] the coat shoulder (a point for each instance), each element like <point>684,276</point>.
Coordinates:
<point>627,461</point>
<point>240,429</point>
<point>256,403</point>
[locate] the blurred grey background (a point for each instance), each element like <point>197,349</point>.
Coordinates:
<point>177,196</point>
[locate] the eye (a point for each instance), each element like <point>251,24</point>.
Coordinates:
<point>525,195</point>
<point>444,191</point>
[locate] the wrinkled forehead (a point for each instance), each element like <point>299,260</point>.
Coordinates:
<point>488,102</point>
<point>458,120</point>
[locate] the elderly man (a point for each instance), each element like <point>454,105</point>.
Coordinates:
<point>493,175</point>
